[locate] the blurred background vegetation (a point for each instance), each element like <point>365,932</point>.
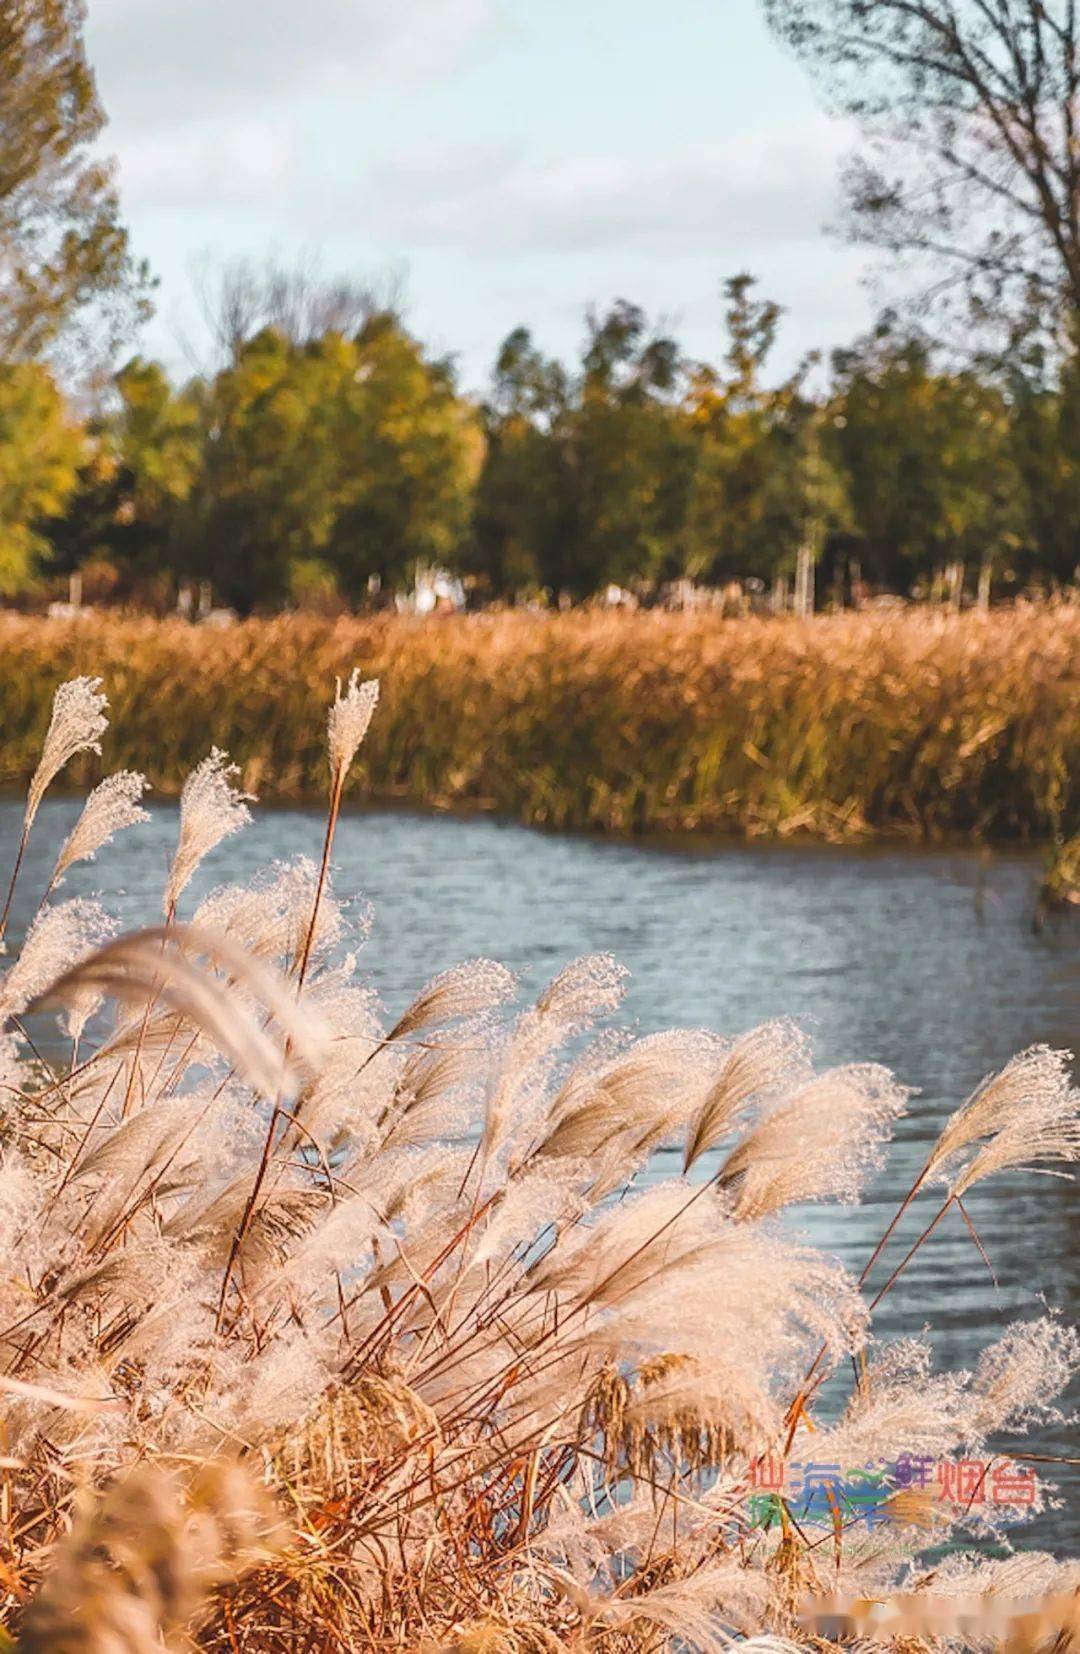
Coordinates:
<point>328,455</point>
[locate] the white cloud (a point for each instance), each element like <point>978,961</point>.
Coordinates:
<point>246,164</point>
<point>768,190</point>
<point>174,62</point>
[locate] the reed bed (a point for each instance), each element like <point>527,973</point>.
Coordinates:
<point>907,722</point>
<point>327,1328</point>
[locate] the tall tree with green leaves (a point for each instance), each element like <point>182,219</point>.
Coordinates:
<point>631,456</point>
<point>764,483</point>
<point>522,517</point>
<point>41,447</point>
<point>929,460</point>
<point>63,249</point>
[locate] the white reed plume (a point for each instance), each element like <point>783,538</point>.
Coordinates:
<point>271,916</point>
<point>348,721</point>
<point>1019,1378</point>
<point>111,807</point>
<point>159,965</point>
<point>571,1002</point>
<point>706,1610</point>
<point>762,1063</point>
<point>462,991</point>
<point>821,1143</point>
<point>899,1399</point>
<point>1034,1074</point>
<point>58,938</point>
<point>635,1100</point>
<point>78,722</point>
<point>211,810</point>
<point>134,1569</point>
<point>1044,1128</point>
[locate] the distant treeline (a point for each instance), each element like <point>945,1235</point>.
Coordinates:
<point>326,461</point>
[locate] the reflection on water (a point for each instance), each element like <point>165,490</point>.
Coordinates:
<point>920,960</point>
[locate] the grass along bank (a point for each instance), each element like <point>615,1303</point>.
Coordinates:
<point>910,722</point>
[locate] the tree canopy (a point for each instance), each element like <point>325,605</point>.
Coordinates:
<point>63,249</point>
<point>970,153</point>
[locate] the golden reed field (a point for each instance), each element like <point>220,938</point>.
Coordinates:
<point>912,722</point>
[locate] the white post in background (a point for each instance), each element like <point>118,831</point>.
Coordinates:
<point>986,574</point>
<point>804,583</point>
<point>75,590</point>
<point>954,584</point>
<point>206,599</point>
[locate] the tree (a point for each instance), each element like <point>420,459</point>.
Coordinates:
<point>63,248</point>
<point>928,458</point>
<point>764,484</point>
<point>329,462</point>
<point>241,298</point>
<point>969,111</point>
<point>411,450</point>
<point>142,461</point>
<point>522,521</point>
<point>631,457</point>
<point>40,450</point>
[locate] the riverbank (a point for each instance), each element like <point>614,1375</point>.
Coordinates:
<point>910,722</point>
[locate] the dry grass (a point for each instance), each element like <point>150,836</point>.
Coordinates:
<point>327,1330</point>
<point>913,722</point>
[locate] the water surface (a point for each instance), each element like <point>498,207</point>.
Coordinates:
<point>922,960</point>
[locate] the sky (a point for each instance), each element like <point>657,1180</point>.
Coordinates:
<point>494,161</point>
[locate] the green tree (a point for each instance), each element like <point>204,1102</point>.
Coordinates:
<point>929,461</point>
<point>522,523</point>
<point>411,451</point>
<point>40,450</point>
<point>63,248</point>
<point>764,481</point>
<point>631,456</point>
<point>341,458</point>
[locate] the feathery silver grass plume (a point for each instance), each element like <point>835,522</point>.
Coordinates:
<point>899,1398</point>
<point>270,917</point>
<point>282,1218</point>
<point>1035,1073</point>
<point>348,721</point>
<point>582,991</point>
<point>78,722</point>
<point>1044,1128</point>
<point>1028,1574</point>
<point>58,938</point>
<point>709,1610</point>
<point>464,990</point>
<point>820,1144</point>
<point>674,1247</point>
<point>637,1098</point>
<point>761,1063</point>
<point>158,965</point>
<point>430,1086</point>
<point>112,806</point>
<point>1019,1378</point>
<point>140,1562</point>
<point>211,810</point>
